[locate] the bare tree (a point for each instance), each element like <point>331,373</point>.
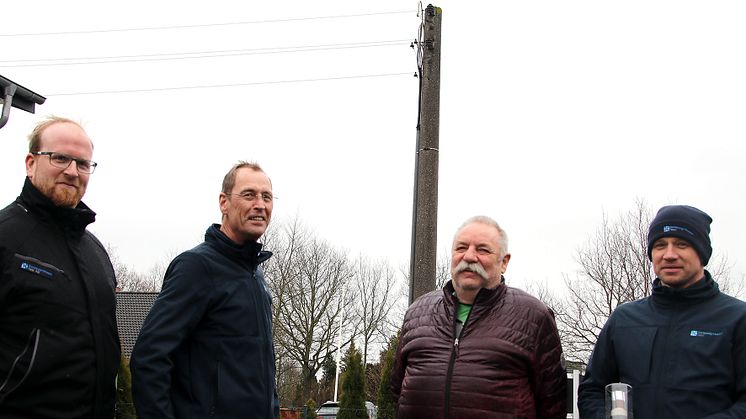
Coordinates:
<point>721,270</point>
<point>308,279</point>
<point>543,293</point>
<point>373,288</point>
<point>128,278</point>
<point>156,273</point>
<point>442,271</point>
<point>614,269</point>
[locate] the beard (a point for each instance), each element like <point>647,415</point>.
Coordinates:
<point>62,196</point>
<point>66,198</point>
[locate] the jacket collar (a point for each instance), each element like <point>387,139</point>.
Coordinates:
<point>485,297</point>
<point>702,290</point>
<point>250,251</point>
<point>73,220</point>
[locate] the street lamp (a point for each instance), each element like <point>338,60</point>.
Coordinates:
<point>339,350</point>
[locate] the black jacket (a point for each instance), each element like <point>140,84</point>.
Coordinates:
<point>57,313</point>
<point>205,349</point>
<point>683,351</point>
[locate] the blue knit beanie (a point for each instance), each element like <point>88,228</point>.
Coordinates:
<point>686,223</point>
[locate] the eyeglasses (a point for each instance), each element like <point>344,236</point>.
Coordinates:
<point>63,161</point>
<point>251,196</point>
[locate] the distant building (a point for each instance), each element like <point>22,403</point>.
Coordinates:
<point>132,308</point>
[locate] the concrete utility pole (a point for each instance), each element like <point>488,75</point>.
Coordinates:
<point>425,211</point>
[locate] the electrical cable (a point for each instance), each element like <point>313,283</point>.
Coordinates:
<point>161,89</point>
<point>203,25</point>
<point>195,55</point>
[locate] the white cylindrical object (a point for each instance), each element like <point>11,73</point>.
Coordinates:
<point>619,401</point>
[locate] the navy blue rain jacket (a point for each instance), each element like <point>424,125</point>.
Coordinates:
<point>205,350</point>
<point>682,350</point>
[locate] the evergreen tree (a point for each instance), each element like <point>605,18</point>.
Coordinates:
<point>385,400</point>
<point>310,409</point>
<point>125,409</point>
<point>352,400</point>
<point>327,382</point>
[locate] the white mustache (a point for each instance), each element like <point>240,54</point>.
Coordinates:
<point>474,267</point>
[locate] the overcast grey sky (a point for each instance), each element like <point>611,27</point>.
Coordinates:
<point>552,113</point>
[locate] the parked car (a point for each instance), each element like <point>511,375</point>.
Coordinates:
<point>329,410</point>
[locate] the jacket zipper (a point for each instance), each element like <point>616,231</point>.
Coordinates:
<point>449,377</point>
<point>261,293</point>
<point>663,372</point>
<point>451,363</point>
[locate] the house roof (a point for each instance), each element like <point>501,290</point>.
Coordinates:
<point>132,308</point>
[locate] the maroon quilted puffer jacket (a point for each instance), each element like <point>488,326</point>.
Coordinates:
<point>505,364</point>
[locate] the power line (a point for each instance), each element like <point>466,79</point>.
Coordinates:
<point>211,51</point>
<point>162,89</point>
<point>42,62</point>
<point>205,25</point>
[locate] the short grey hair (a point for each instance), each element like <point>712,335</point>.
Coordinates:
<point>483,219</point>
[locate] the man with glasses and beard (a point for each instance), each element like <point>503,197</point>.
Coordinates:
<point>478,348</point>
<point>59,348</point>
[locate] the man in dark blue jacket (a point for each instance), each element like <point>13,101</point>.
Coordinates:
<point>683,349</point>
<point>205,350</point>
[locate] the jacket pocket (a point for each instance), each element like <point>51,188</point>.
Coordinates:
<point>37,281</point>
<point>634,352</point>
<point>37,268</point>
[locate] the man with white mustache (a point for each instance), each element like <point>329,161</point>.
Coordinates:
<point>205,349</point>
<point>478,348</point>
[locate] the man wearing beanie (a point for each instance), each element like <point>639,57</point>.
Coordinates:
<point>683,348</point>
